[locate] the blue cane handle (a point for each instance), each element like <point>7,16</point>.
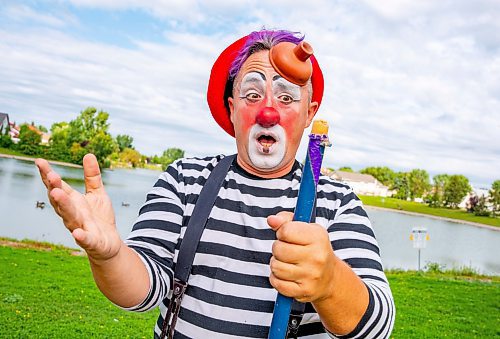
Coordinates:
<point>303,212</point>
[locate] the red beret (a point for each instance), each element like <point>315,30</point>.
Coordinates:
<point>219,76</point>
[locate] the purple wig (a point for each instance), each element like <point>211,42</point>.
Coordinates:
<point>259,41</point>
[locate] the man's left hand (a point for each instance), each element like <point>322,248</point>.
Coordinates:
<point>303,261</point>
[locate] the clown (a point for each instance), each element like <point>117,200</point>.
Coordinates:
<point>250,247</point>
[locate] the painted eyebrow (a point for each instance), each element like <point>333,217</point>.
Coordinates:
<point>251,77</point>
<point>276,77</point>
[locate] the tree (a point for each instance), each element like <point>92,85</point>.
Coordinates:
<point>456,189</point>
<point>5,140</point>
<point>87,125</point>
<point>130,156</point>
<point>168,156</point>
<point>42,128</point>
<point>29,140</point>
<point>59,148</point>
<point>383,174</point>
<point>418,182</point>
<point>481,208</point>
<point>101,145</point>
<point>437,197</point>
<point>402,185</point>
<point>124,141</point>
<point>87,133</point>
<point>495,197</point>
<point>346,169</point>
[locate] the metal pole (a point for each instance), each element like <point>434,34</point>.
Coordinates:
<point>419,259</point>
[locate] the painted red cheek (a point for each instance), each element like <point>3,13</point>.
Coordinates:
<point>247,118</point>
<point>289,126</point>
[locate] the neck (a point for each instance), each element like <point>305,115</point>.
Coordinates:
<point>266,174</point>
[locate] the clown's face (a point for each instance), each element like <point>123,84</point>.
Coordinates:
<point>269,115</point>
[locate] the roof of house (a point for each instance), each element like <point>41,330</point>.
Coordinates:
<point>353,177</point>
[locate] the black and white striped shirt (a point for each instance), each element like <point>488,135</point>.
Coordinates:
<point>229,294</point>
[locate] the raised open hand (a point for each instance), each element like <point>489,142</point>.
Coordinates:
<point>89,217</point>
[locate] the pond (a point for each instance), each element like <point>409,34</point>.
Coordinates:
<point>451,244</point>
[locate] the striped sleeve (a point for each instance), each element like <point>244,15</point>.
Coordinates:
<point>353,241</point>
<point>156,232</point>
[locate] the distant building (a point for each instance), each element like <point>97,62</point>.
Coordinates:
<point>476,192</point>
<point>363,184</point>
<point>45,136</point>
<point>4,121</point>
<point>14,132</point>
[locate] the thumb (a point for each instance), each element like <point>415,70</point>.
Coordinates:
<point>92,173</point>
<point>83,238</point>
<point>278,220</point>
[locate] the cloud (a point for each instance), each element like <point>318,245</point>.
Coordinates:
<point>22,13</point>
<point>412,85</point>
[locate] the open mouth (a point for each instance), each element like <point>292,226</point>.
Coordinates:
<point>266,141</point>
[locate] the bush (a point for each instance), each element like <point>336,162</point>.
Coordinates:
<point>6,141</point>
<point>434,267</point>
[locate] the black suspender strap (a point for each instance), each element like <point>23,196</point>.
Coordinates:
<point>192,236</point>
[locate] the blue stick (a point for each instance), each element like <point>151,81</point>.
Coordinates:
<point>303,212</point>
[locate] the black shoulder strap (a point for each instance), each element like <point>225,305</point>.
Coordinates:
<point>199,217</point>
<point>189,244</point>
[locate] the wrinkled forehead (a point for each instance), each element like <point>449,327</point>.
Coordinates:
<point>257,62</point>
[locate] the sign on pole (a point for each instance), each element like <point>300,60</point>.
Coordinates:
<point>419,237</point>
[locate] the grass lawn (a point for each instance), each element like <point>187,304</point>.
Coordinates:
<point>49,293</point>
<point>9,151</point>
<point>416,207</point>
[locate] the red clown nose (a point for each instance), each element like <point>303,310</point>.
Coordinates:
<point>267,117</point>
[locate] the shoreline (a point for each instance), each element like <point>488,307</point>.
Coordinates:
<point>54,162</point>
<point>434,217</point>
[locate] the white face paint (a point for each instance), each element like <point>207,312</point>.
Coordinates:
<point>253,88</point>
<point>262,155</point>
<point>285,91</point>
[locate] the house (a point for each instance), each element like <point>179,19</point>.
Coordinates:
<point>14,131</point>
<point>363,184</point>
<point>45,136</point>
<point>4,121</point>
<point>475,193</point>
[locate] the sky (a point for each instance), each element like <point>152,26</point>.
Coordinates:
<point>408,84</point>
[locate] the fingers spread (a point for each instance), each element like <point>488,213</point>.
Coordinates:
<point>92,174</point>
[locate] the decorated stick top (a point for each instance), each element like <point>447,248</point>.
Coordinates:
<point>292,61</point>
<point>320,127</point>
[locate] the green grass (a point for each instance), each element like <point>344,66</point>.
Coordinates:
<point>45,292</point>
<point>438,305</point>
<point>416,207</point>
<point>9,151</point>
<point>48,293</point>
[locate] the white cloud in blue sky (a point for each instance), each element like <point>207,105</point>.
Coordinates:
<point>409,84</point>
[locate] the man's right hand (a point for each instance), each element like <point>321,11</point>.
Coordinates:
<point>89,217</point>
